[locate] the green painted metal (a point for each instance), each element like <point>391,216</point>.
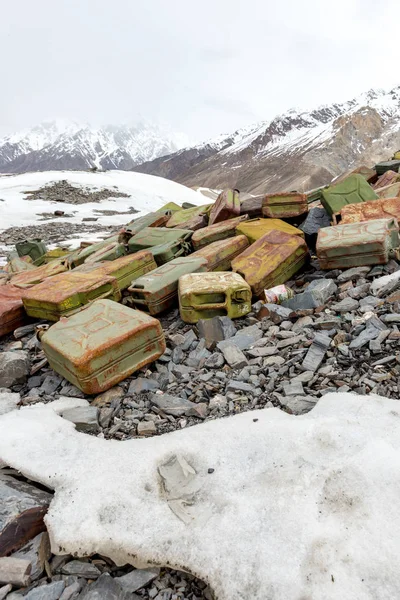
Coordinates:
<point>180,217</point>
<point>154,236</point>
<point>79,256</point>
<point>389,165</point>
<point>34,248</point>
<point>351,190</point>
<point>281,206</point>
<point>125,269</point>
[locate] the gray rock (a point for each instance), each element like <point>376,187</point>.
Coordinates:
<point>190,337</point>
<point>142,384</point>
<point>303,377</point>
<point>8,402</point>
<point>353,274</point>
<point>50,384</point>
<point>239,386</point>
<point>146,428</point>
<point>316,218</point>
<point>345,305</point>
<point>359,291</point>
<point>293,388</point>
<point>137,579</point>
<point>232,354</point>
<point>275,312</point>
<point>216,329</point>
<point>298,405</point>
<point>177,355</point>
<point>36,551</point>
<point>263,351</point>
<point>292,341</point>
<point>81,569</point>
<point>177,339</point>
<point>316,352</point>
<point>217,401</point>
<point>14,368</point>
<point>72,391</point>
<point>4,590</point>
<point>51,591</point>
<point>172,405</point>
<point>316,294</point>
<point>84,417</point>
<point>105,588</point>
<point>215,361</point>
<point>273,361</point>
<point>391,318</point>
<point>71,591</point>
<point>301,323</point>
<point>199,355</point>
<point>34,382</point>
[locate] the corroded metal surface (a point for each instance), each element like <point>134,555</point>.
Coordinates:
<point>351,190</point>
<point>102,345</point>
<point>37,275</point>
<point>256,228</point>
<point>110,251</point>
<point>368,173</point>
<point>271,260</point>
<point>34,248</point>
<point>207,295</point>
<point>216,232</point>
<point>68,293</point>
<point>226,206</point>
<point>367,211</point>
<point>154,236</point>
<point>181,217</point>
<point>387,178</point>
<point>279,206</point>
<point>389,191</point>
<point>79,256</point>
<point>12,313</point>
<point>155,219</point>
<point>157,291</point>
<point>357,244</point>
<point>219,255</point>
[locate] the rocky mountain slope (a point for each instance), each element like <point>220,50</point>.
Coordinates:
<point>297,150</point>
<point>60,145</point>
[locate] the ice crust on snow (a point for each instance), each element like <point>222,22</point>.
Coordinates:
<point>296,507</point>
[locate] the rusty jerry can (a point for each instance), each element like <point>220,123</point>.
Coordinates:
<point>56,253</point>
<point>281,206</point>
<point>357,244</point>
<point>208,295</point>
<point>102,345</point>
<point>12,313</point>
<point>369,174</point>
<point>38,274</point>
<point>157,291</point>
<point>389,191</point>
<point>389,165</point>
<point>181,217</point>
<point>216,232</point>
<point>252,207</point>
<point>382,208</point>
<point>34,248</point>
<point>256,228</point>
<point>19,264</point>
<point>219,255</point>
<point>125,269</point>
<point>153,219</point>
<point>109,252</point>
<point>68,293</point>
<point>80,255</point>
<point>271,260</point>
<point>387,178</point>
<point>155,236</point>
<point>351,190</point>
<point>226,206</point>
<point>164,253</point>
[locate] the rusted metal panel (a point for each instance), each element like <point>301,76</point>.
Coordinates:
<point>181,217</point>
<point>68,293</point>
<point>387,178</point>
<point>37,275</point>
<point>157,291</point>
<point>109,252</point>
<point>219,255</point>
<point>271,260</point>
<point>291,204</point>
<point>207,295</point>
<point>216,232</point>
<point>78,257</point>
<point>367,172</point>
<point>164,253</point>
<point>102,345</point>
<point>19,264</point>
<point>12,313</point>
<point>252,207</point>
<point>56,253</point>
<point>34,248</point>
<point>167,210</point>
<point>195,223</point>
<point>125,269</point>
<point>351,190</point>
<point>357,244</point>
<point>154,236</point>
<point>389,191</point>
<point>154,219</point>
<point>367,211</point>
<point>226,206</point>
<point>256,228</point>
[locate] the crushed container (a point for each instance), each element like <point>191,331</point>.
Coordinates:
<point>208,295</point>
<point>351,190</point>
<point>216,232</point>
<point>271,260</point>
<point>164,253</point>
<point>153,219</point>
<point>226,206</point>
<point>219,255</point>
<point>290,204</point>
<point>102,345</point>
<point>256,228</point>
<point>34,248</point>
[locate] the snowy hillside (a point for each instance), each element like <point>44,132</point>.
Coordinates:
<point>72,145</point>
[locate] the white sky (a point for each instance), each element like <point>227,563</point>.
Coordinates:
<point>201,67</point>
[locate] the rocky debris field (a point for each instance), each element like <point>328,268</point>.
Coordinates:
<point>63,191</point>
<point>54,232</point>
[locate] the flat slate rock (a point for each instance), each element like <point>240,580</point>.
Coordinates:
<point>81,569</point>
<point>137,579</point>
<point>172,405</point>
<point>105,588</point>
<point>51,591</point>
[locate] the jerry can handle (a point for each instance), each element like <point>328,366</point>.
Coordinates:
<point>209,306</point>
<point>90,295</point>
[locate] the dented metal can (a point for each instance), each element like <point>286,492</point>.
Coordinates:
<point>387,178</point>
<point>351,190</point>
<point>34,248</point>
<point>278,294</point>
<point>219,255</point>
<point>216,232</point>
<point>389,191</point>
<point>102,345</point>
<point>290,204</point>
<point>367,211</point>
<point>208,295</point>
<point>109,252</point>
<point>226,206</point>
<point>79,256</point>
<point>256,228</point>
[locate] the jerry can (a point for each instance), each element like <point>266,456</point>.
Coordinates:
<point>369,174</point>
<point>56,253</point>
<point>38,274</point>
<point>252,207</point>
<point>208,295</point>
<point>351,190</point>
<point>170,207</point>
<point>80,255</point>
<point>34,248</point>
<point>368,211</point>
<point>389,191</point>
<point>153,219</point>
<point>68,293</point>
<point>387,178</point>
<point>125,269</point>
<point>357,244</point>
<point>256,228</point>
<point>281,206</point>
<point>216,232</point>
<point>271,260</point>
<point>110,252</point>
<point>18,264</point>
<point>97,348</point>
<point>157,291</point>
<point>181,217</point>
<point>314,195</point>
<point>389,165</point>
<point>226,206</point>
<point>154,236</point>
<point>219,255</point>
<point>163,253</point>
<point>12,313</point>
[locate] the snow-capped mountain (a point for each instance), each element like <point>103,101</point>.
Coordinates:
<point>296,150</point>
<point>71,145</point>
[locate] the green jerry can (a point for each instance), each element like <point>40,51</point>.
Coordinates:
<point>165,252</point>
<point>389,165</point>
<point>357,244</point>
<point>369,174</point>
<point>208,295</point>
<point>271,260</point>
<point>102,345</point>
<point>79,256</point>
<point>65,294</point>
<point>226,206</point>
<point>154,236</point>
<point>170,207</point>
<point>219,255</point>
<point>351,190</point>
<point>181,217</point>
<point>281,206</point>
<point>153,219</point>
<point>157,291</point>
<point>216,232</point>
<point>256,228</point>
<point>125,269</point>
<point>34,248</point>
<point>110,251</point>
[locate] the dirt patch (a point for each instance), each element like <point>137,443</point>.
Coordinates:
<point>63,191</point>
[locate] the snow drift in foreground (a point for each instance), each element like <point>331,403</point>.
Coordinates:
<point>295,507</point>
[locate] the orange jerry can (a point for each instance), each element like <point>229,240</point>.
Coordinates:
<point>281,206</point>
<point>12,313</point>
<point>367,211</point>
<point>27,279</point>
<point>271,260</point>
<point>219,255</point>
<point>216,232</point>
<point>97,348</point>
<point>226,206</point>
<point>68,293</point>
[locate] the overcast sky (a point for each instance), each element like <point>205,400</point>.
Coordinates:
<point>203,67</point>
